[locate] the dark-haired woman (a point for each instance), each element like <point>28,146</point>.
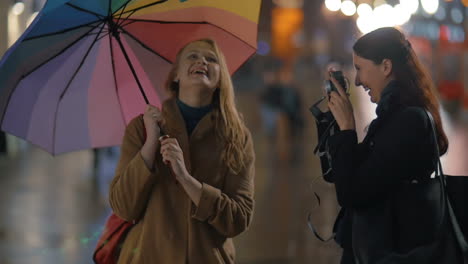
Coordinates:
<point>398,147</point>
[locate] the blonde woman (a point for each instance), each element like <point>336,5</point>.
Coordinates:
<point>191,192</point>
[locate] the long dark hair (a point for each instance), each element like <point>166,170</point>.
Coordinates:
<point>390,43</point>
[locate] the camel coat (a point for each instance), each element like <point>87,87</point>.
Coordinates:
<point>170,228</point>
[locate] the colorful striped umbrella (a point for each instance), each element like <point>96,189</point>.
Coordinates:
<point>85,68</point>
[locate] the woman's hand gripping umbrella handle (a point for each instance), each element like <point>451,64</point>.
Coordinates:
<point>162,138</point>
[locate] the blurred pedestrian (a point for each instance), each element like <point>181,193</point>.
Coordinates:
<point>191,191</point>
<point>281,111</point>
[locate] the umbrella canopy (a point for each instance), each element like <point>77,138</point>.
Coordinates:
<point>85,68</point>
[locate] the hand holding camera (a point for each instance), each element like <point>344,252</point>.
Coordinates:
<point>339,77</point>
<point>338,101</point>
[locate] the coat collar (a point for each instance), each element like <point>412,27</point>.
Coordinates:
<point>174,126</point>
<point>387,105</point>
<point>388,98</point>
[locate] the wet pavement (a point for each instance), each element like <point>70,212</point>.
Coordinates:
<point>53,208</point>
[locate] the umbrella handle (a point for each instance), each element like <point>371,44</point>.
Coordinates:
<point>161,138</point>
<point>161,130</point>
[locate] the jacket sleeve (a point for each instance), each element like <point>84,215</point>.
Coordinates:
<point>362,181</point>
<point>133,181</point>
<point>230,210</point>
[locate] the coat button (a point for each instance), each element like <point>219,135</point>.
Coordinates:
<point>371,143</point>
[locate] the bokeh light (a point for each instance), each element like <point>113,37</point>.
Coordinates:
<point>18,8</point>
<point>384,16</point>
<point>401,15</point>
<point>333,5</point>
<point>410,5</point>
<point>457,15</point>
<point>263,48</point>
<point>364,24</point>
<point>440,14</point>
<point>430,6</point>
<point>348,8</point>
<point>364,10</point>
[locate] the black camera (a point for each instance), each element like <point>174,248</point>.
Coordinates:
<point>329,87</point>
<point>338,75</point>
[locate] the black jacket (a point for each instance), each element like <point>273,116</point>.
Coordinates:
<point>398,147</point>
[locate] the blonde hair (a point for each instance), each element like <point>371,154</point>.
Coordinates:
<point>229,124</point>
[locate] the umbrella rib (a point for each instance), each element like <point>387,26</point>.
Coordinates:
<point>129,23</point>
<point>132,69</point>
<point>109,9</point>
<point>43,63</point>
<point>64,31</point>
<point>81,63</point>
<point>186,22</point>
<point>168,22</point>
<point>125,19</point>
<point>123,6</point>
<point>60,52</point>
<point>115,77</point>
<point>68,85</point>
<point>121,13</point>
<point>145,6</point>
<point>145,46</point>
<point>101,17</point>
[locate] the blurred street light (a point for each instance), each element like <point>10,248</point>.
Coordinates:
<point>348,8</point>
<point>18,8</point>
<point>401,15</point>
<point>333,5</point>
<point>457,15</point>
<point>384,16</point>
<point>263,48</point>
<point>430,6</point>
<point>440,14</point>
<point>410,5</point>
<point>364,10</point>
<point>364,24</point>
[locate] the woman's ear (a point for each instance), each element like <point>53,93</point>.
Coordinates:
<point>387,67</point>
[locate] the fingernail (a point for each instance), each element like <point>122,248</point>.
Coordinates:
<point>161,138</point>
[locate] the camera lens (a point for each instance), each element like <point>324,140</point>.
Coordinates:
<point>328,86</point>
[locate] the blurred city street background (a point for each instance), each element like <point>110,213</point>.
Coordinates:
<point>53,208</point>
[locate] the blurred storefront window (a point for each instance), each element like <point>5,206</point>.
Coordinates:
<point>287,24</point>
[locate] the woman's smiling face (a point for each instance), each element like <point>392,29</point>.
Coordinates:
<point>372,77</point>
<point>198,66</point>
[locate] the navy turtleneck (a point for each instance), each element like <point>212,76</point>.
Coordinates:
<point>192,115</point>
